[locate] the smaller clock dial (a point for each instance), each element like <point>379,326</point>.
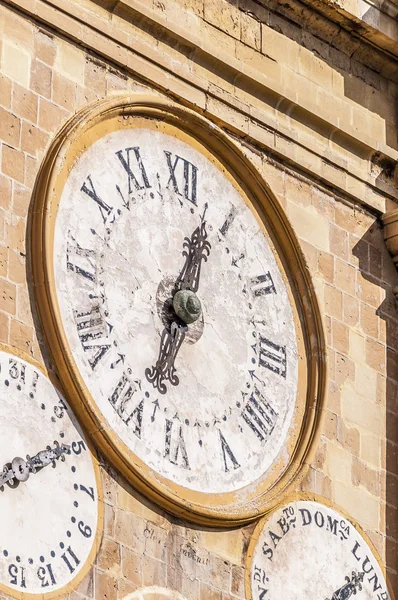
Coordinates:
<point>49,495</point>
<point>307,549</point>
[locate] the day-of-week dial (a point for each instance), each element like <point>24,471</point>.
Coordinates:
<point>306,549</point>
<point>48,485</point>
<point>203,389</point>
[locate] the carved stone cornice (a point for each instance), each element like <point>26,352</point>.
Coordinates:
<point>263,110</point>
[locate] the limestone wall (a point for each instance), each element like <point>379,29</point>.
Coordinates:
<point>314,107</point>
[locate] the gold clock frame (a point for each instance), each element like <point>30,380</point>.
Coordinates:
<point>73,139</point>
<point>294,497</point>
<point>89,563</point>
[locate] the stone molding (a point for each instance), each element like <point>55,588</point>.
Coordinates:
<point>360,22</point>
<point>272,120</point>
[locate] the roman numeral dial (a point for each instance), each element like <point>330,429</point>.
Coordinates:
<point>183,333</point>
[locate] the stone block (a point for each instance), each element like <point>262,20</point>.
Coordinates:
<point>333,302</point>
<point>22,337</point>
<point>33,139</point>
<point>376,355</point>
<point>108,558</point>
<point>350,310</point>
<point>338,463</point>
<point>70,61</point>
<point>15,63</point>
<point>24,103</point>
<point>370,451</point>
<point>326,266</point>
<point>5,91</point>
<point>5,192</point>
<point>45,47</point>
<point>64,92</point>
<point>340,337</point>
<point>309,225</point>
<point>4,327</point>
<point>363,413</point>
<point>357,346</point>
<point>365,382</point>
<point>250,31</point>
<point>339,242</point>
<point>24,311</point>
<point>40,78</point>
<point>279,47</point>
<point>228,546</point>
<point>10,128</point>
<point>3,261</point>
<point>51,117</point>
<point>223,15</point>
<point>13,163</point>
<point>369,321</point>
<point>105,586</point>
<point>131,566</point>
<point>21,200</point>
<point>358,502</point>
<point>316,70</point>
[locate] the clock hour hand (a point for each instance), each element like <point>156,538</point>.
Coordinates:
<point>349,588</point>
<point>20,469</point>
<point>164,369</point>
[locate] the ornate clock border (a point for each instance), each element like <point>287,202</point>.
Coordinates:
<point>218,511</point>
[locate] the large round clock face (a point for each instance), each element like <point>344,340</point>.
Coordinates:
<point>307,549</point>
<point>49,495</point>
<point>172,315</point>
<point>143,213</point>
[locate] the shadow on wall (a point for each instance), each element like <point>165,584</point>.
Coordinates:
<point>377,268</point>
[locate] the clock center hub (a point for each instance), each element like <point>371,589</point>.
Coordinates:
<point>187,306</point>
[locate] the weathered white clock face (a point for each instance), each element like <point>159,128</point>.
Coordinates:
<point>309,550</point>
<point>141,214</point>
<point>49,510</point>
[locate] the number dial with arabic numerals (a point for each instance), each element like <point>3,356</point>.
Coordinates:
<point>192,414</point>
<point>49,520</point>
<point>308,549</point>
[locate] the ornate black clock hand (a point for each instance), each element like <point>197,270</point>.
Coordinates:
<point>349,588</point>
<point>195,249</point>
<point>164,369</point>
<point>186,305</point>
<point>20,469</point>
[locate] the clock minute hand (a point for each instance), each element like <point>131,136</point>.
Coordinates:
<point>186,305</point>
<point>349,588</point>
<point>20,469</point>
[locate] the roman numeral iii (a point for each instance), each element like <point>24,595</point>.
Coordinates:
<point>272,356</point>
<point>259,416</point>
